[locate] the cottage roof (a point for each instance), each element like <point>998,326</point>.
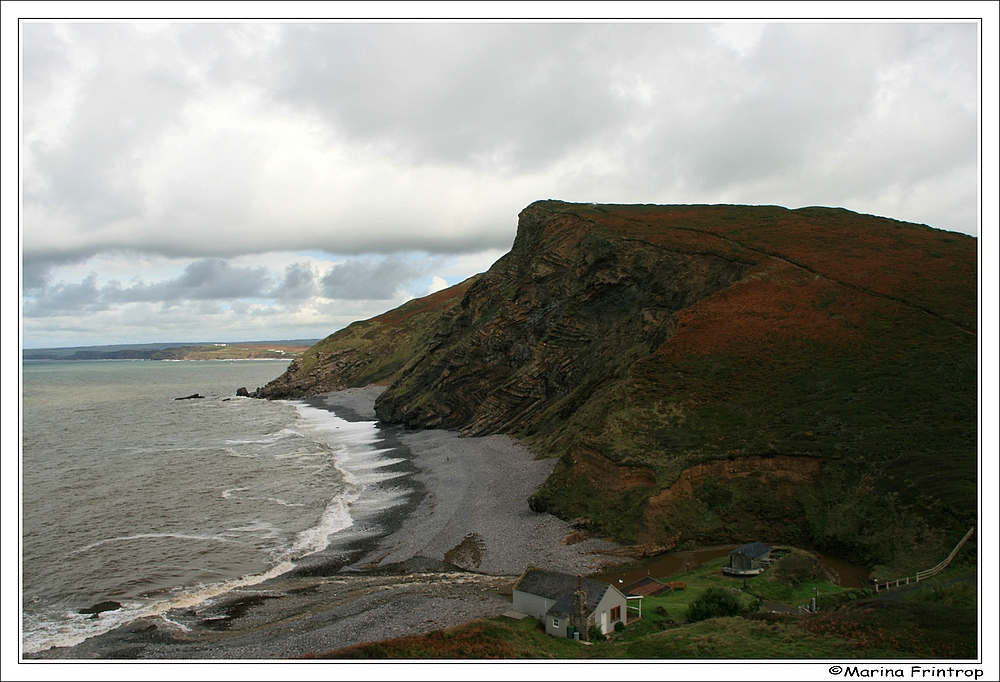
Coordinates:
<point>562,608</point>
<point>560,587</point>
<point>754,550</point>
<point>645,587</point>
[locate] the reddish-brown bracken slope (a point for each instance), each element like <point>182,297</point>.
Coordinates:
<point>714,373</point>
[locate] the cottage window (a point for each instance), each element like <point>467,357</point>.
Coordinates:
<point>616,613</point>
<point>555,622</point>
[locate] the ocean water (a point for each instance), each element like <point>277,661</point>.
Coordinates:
<point>131,496</point>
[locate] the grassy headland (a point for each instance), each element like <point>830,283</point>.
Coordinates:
<point>706,374</point>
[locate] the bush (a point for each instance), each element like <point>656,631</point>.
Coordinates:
<point>960,594</point>
<point>716,602</point>
<point>619,626</point>
<point>595,634</point>
<point>793,570</point>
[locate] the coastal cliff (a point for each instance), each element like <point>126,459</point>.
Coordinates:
<point>704,373</point>
<point>366,352</point>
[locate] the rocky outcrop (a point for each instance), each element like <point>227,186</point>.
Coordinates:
<point>99,608</point>
<point>367,352</point>
<point>567,310</point>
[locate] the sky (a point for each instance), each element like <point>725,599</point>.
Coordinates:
<point>235,181</point>
<point>228,180</point>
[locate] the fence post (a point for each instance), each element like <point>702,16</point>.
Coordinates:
<point>931,572</point>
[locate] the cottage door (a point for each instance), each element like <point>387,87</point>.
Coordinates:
<point>605,623</point>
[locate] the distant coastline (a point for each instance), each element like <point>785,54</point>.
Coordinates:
<point>242,350</point>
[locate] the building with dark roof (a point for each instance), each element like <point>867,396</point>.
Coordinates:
<point>645,587</point>
<point>566,603</point>
<point>749,559</point>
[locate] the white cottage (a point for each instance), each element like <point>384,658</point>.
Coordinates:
<point>552,598</point>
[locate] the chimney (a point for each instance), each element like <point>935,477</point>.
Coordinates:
<point>580,609</point>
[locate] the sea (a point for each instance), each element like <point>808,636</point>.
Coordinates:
<point>132,496</point>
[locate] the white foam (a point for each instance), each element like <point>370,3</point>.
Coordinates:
<point>268,530</point>
<point>284,434</point>
<point>73,628</point>
<point>375,464</point>
<point>179,626</point>
<point>278,500</point>
<point>355,457</point>
<point>384,500</point>
<point>336,517</point>
<point>147,536</point>
<point>359,462</point>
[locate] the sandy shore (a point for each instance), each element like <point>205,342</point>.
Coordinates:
<point>449,557</point>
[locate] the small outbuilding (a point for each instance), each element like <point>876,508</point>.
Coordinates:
<point>645,587</point>
<point>750,559</point>
<point>569,603</point>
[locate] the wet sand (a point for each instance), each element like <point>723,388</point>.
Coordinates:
<point>449,557</point>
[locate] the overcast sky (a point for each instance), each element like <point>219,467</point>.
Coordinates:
<point>242,181</point>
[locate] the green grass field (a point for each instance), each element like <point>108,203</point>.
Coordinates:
<point>936,621</point>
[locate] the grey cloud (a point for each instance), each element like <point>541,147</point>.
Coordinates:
<point>505,113</point>
<point>206,280</point>
<point>299,283</point>
<point>121,102</point>
<point>365,279</point>
<point>67,297</point>
<point>801,112</point>
<point>518,97</point>
<point>210,281</point>
<point>36,272</point>
<point>507,96</point>
<point>34,277</point>
<point>203,280</point>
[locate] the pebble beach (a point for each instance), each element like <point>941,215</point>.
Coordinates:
<point>449,557</point>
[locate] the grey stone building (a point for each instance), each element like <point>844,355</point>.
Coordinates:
<point>566,603</point>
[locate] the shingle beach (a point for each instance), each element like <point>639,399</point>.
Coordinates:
<point>449,557</point>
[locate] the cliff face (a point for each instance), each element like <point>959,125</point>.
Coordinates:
<point>705,373</point>
<point>567,310</point>
<point>367,352</point>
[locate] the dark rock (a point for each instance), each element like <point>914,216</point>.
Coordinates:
<point>101,607</point>
<point>567,311</point>
<point>190,397</point>
<point>243,392</point>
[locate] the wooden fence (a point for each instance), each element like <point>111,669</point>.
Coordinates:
<point>930,572</point>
